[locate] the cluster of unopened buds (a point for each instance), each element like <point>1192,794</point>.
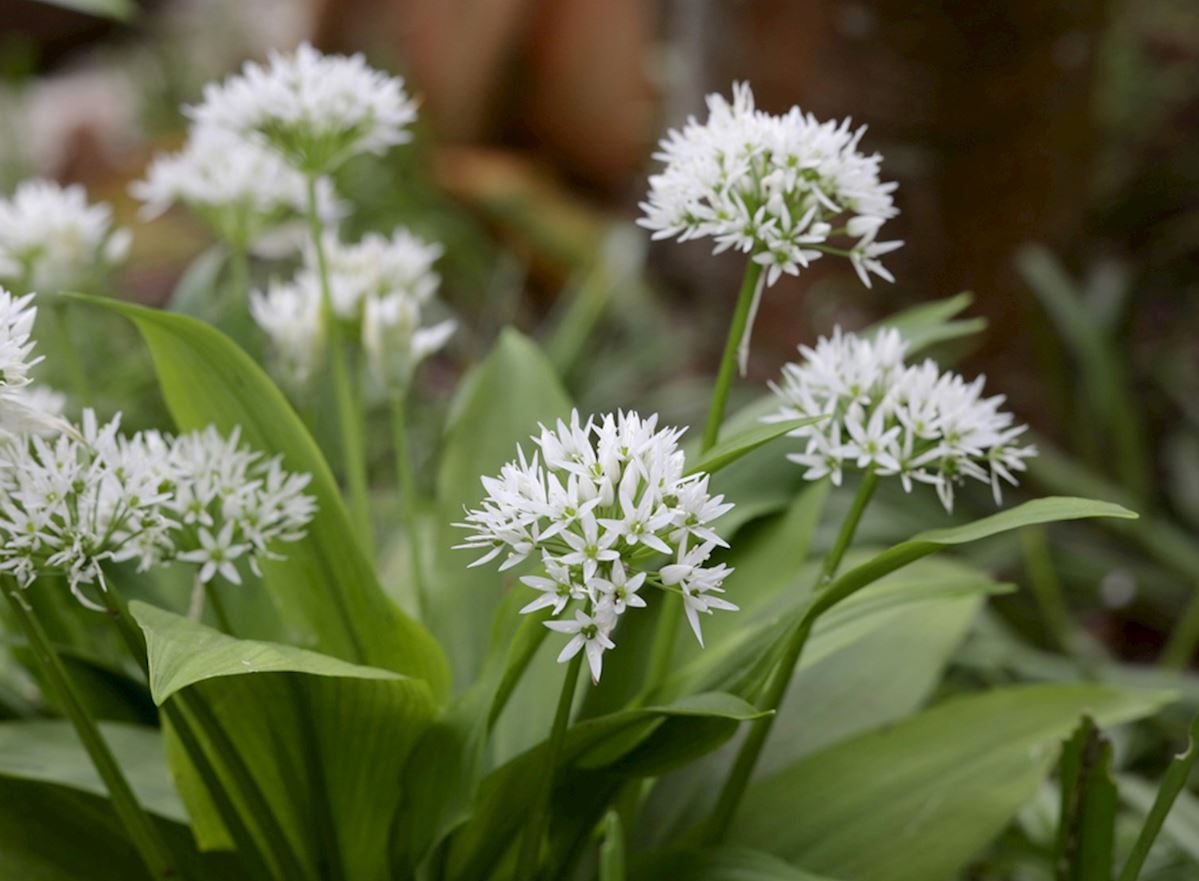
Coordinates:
<point>608,508</point>
<point>916,421</point>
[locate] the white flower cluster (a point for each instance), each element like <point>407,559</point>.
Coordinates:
<point>73,503</point>
<point>784,188</point>
<point>51,238</point>
<point>913,421</point>
<point>598,502</point>
<point>23,408</point>
<point>379,289</point>
<point>240,188</point>
<point>316,110</point>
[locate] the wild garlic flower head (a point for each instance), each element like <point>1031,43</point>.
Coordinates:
<point>916,422</point>
<point>51,238</point>
<point>24,407</point>
<point>316,110</point>
<point>240,188</point>
<point>230,503</point>
<point>786,189</point>
<point>379,288</point>
<point>75,503</point>
<point>600,504</point>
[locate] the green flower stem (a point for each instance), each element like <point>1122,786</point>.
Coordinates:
<point>728,363</point>
<point>408,495</point>
<point>239,275</point>
<point>747,759</point>
<point>530,848</point>
<point>1047,588</point>
<point>81,385</point>
<point>1184,638</point>
<point>352,450</point>
<point>188,712</point>
<point>143,833</point>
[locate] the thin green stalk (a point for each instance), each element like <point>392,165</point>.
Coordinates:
<point>408,495</point>
<point>224,622</point>
<point>747,759</point>
<point>1047,588</point>
<point>728,363</point>
<point>1184,638</point>
<point>239,276</point>
<point>665,636</point>
<point>195,709</point>
<point>143,833</point>
<point>352,450</point>
<point>81,385</point>
<point>333,868</point>
<point>530,848</point>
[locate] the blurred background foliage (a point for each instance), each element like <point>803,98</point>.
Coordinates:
<point>1048,156</point>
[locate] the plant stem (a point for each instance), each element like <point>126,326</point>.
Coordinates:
<point>728,363</point>
<point>353,454</point>
<point>530,848</point>
<point>747,759</point>
<point>143,833</point>
<point>81,385</point>
<point>239,276</point>
<point>408,495</point>
<point>1184,638</point>
<point>1047,588</point>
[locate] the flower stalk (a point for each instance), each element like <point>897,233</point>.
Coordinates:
<point>530,847</point>
<point>408,494</point>
<point>728,362</point>
<point>353,454</point>
<point>143,833</point>
<point>747,758</point>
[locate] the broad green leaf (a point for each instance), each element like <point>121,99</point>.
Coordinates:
<point>1048,510</point>
<point>49,751</point>
<point>196,292</point>
<point>873,660</point>
<point>119,10</point>
<point>926,324</point>
<point>59,833</point>
<point>498,405</point>
<point>506,794</point>
<point>1087,817</point>
<point>1173,783</point>
<point>1181,827</point>
<point>326,741</point>
<point>745,442</point>
<point>326,586</point>
<point>936,788</point>
<point>719,864</point>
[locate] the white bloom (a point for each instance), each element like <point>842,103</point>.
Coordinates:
<point>242,189</point>
<point>24,408</point>
<point>91,497</point>
<point>786,189</point>
<point>379,266</point>
<point>600,501</point>
<point>290,315</point>
<point>51,238</point>
<point>316,110</point>
<point>915,422</point>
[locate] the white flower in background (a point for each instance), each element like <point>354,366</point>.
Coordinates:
<point>380,288</point>
<point>51,238</point>
<point>316,110</point>
<point>601,503</point>
<point>785,189</point>
<point>911,421</point>
<point>290,315</point>
<point>23,407</point>
<point>240,188</point>
<point>75,503</point>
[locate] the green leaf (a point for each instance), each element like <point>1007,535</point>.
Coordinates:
<point>59,833</point>
<point>326,741</point>
<point>498,405</point>
<point>612,850</point>
<point>745,442</point>
<point>506,794</point>
<point>1173,782</point>
<point>719,864</point>
<point>196,292</point>
<point>118,10</point>
<point>1087,823</point>
<point>1181,826</point>
<point>936,788</point>
<point>1049,510</point>
<point>48,751</point>
<point>326,586</point>
<point>926,324</point>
